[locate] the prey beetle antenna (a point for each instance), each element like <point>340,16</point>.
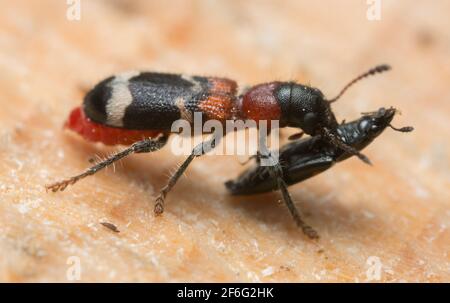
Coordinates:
<point>405,129</point>
<point>377,69</point>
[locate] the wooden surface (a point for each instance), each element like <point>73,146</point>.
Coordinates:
<point>397,212</point>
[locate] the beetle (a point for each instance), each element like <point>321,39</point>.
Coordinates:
<point>303,159</point>
<point>138,109</point>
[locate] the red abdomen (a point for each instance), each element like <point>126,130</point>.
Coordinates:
<point>96,132</point>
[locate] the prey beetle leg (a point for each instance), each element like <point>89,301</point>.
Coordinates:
<point>198,151</point>
<point>276,173</point>
<point>143,146</point>
<point>333,139</point>
<point>257,157</point>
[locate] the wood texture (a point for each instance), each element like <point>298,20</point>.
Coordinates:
<point>397,212</point>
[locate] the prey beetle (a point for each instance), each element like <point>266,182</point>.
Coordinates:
<point>305,158</point>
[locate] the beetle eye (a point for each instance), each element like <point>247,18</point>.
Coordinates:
<point>310,121</point>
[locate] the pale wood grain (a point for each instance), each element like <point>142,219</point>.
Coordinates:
<point>398,210</point>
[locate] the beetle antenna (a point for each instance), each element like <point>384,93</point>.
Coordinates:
<point>376,70</point>
<point>405,129</point>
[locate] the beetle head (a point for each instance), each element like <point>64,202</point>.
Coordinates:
<point>305,107</point>
<point>372,124</point>
<point>358,134</point>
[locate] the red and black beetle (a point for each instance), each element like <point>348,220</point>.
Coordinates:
<point>139,108</point>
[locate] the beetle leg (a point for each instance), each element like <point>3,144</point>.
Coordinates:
<point>347,148</point>
<point>144,146</point>
<point>276,173</point>
<point>198,151</point>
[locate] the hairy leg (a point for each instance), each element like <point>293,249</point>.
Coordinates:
<point>347,148</point>
<point>198,151</point>
<point>144,146</point>
<point>276,173</point>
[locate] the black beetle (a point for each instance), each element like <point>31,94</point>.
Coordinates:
<point>305,158</point>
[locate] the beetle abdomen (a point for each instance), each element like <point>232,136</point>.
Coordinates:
<point>96,132</point>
